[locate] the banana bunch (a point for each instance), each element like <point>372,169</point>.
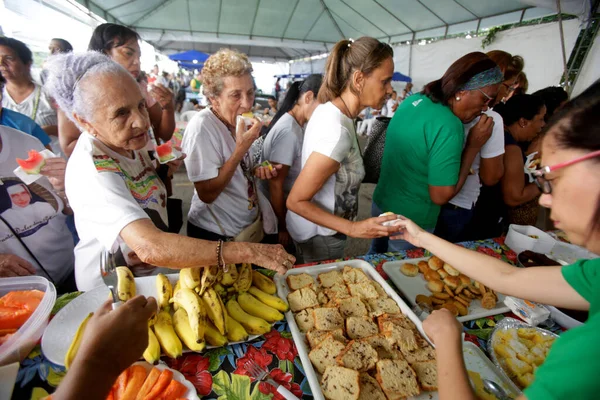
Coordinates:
<point>168,339</point>
<point>244,280</point>
<point>196,312</point>
<point>209,277</point>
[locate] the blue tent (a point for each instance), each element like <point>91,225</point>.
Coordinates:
<point>398,77</point>
<point>190,66</point>
<point>190,56</point>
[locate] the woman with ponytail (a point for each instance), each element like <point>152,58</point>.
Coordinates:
<point>283,145</point>
<point>324,200</point>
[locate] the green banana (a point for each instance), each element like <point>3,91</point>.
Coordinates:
<point>164,291</point>
<point>125,284</point>
<point>152,352</point>
<point>213,337</point>
<point>184,331</point>
<point>272,301</point>
<point>253,325</point>
<point>230,276</point>
<point>214,311</point>
<point>168,339</point>
<point>194,307</point>
<point>74,347</point>
<point>189,277</point>
<point>244,280</point>
<point>257,308</point>
<point>263,282</point>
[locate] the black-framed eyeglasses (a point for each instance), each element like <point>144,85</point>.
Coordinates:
<point>544,184</point>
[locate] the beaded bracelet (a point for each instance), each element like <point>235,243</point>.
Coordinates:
<point>220,260</point>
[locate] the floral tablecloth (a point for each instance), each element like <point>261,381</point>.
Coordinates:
<point>220,374</point>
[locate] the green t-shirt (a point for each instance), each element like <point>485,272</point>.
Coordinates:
<point>423,146</point>
<point>571,368</point>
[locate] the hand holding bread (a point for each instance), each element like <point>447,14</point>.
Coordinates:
<point>442,326</point>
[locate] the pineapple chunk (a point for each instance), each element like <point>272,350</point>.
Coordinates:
<point>517,367</point>
<point>527,333</point>
<point>503,351</point>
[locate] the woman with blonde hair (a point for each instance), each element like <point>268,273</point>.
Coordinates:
<point>323,203</point>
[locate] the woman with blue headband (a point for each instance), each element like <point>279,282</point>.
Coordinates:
<point>424,164</point>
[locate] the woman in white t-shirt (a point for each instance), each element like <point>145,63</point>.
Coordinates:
<point>323,203</point>
<point>113,188</point>
<point>21,93</point>
<point>283,145</point>
<point>225,204</point>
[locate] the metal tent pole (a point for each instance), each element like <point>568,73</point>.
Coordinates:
<point>562,44</point>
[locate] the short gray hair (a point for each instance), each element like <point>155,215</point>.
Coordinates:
<point>224,63</point>
<point>67,71</point>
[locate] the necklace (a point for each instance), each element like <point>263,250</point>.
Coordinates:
<point>347,109</point>
<point>220,118</point>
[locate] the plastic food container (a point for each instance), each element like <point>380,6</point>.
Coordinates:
<point>24,340</point>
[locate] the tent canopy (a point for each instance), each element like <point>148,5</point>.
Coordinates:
<point>398,77</point>
<point>293,29</point>
<point>190,56</point>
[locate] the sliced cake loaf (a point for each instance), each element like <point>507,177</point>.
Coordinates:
<point>302,299</point>
<point>419,355</point>
<point>327,318</point>
<point>352,307</point>
<point>299,281</point>
<point>397,379</point>
<point>354,275</point>
<point>379,288</point>
<point>383,347</point>
<point>339,383</point>
<point>369,388</point>
<point>305,320</point>
<point>360,327</point>
<point>404,339</point>
<point>325,353</point>
<point>337,292</point>
<point>382,305</point>
<point>426,374</point>
<point>315,336</point>
<point>364,290</point>
<point>358,355</point>
<point>329,279</point>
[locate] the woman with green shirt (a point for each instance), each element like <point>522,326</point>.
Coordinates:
<point>570,184</point>
<point>424,164</point>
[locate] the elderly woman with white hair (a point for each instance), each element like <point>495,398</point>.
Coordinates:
<point>118,200</point>
<point>226,202</point>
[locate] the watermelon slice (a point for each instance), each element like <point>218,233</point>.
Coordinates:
<point>164,152</point>
<point>34,163</point>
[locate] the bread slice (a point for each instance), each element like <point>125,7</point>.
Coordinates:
<point>419,355</point>
<point>305,320</point>
<point>299,281</point>
<point>364,290</point>
<point>383,347</point>
<point>404,339</point>
<point>426,374</point>
<point>379,289</point>
<point>369,388</point>
<point>352,307</point>
<point>354,275</point>
<point>358,355</point>
<point>335,292</point>
<point>397,379</point>
<point>315,336</point>
<point>325,353</point>
<point>302,299</point>
<point>322,298</point>
<point>339,383</point>
<point>400,320</point>
<point>328,319</point>
<point>360,327</point>
<point>382,305</point>
<point>331,278</point>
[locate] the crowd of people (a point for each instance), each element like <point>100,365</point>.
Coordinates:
<point>461,160</point>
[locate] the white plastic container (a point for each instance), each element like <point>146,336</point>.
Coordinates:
<point>24,340</point>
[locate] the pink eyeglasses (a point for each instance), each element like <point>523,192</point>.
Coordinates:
<point>544,184</point>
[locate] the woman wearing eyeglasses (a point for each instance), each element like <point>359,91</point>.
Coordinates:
<point>570,183</point>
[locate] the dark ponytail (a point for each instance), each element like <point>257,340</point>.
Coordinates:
<point>520,106</point>
<point>298,88</point>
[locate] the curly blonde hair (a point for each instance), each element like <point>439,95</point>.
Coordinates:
<point>223,63</point>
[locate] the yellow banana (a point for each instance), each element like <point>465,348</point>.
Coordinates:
<point>126,284</point>
<point>152,352</point>
<point>168,339</point>
<point>194,307</point>
<point>213,337</point>
<point>235,330</point>
<point>253,325</point>
<point>183,330</point>
<point>272,301</point>
<point>244,280</point>
<point>221,291</point>
<point>164,291</point>
<point>230,276</point>
<point>214,311</point>
<point>209,277</point>
<point>263,282</point>
<point>175,289</point>
<point>152,320</point>
<point>253,306</point>
<point>74,347</point>
<point>189,277</point>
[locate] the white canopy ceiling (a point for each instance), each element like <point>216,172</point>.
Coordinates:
<point>291,29</point>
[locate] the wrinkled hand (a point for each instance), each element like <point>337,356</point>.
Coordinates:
<point>373,227</point>
<point>271,256</point>
<point>481,132</point>
<point>54,169</point>
<point>11,265</point>
<point>175,164</point>
<point>115,339</point>
<point>409,231</point>
<point>266,173</point>
<point>164,96</point>
<point>442,326</point>
<point>244,138</point>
